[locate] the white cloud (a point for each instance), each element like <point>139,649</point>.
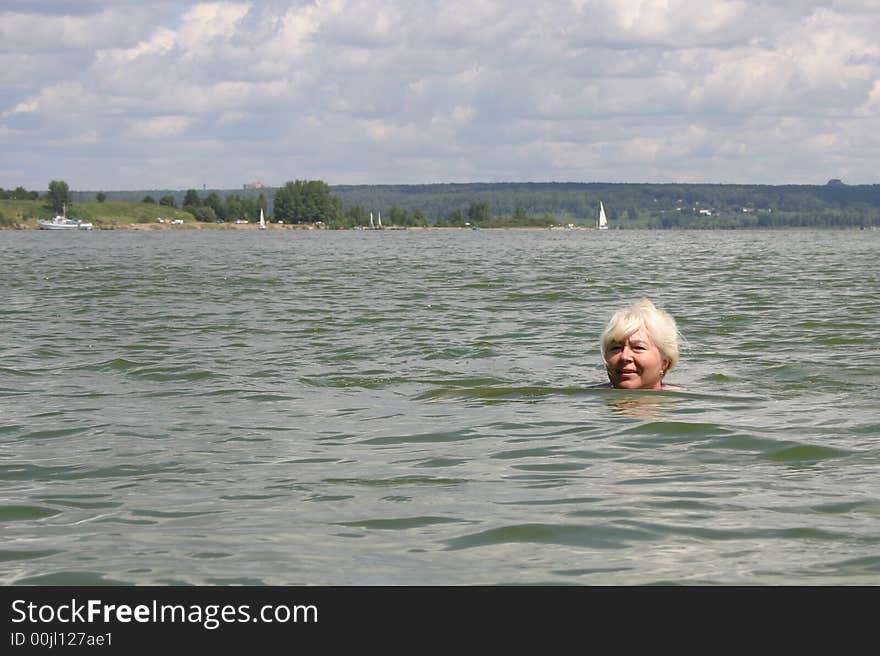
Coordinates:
<point>159,43</point>
<point>296,30</point>
<point>210,25</point>
<point>34,32</point>
<point>871,106</point>
<point>617,90</point>
<point>25,107</point>
<point>159,127</point>
<point>56,101</point>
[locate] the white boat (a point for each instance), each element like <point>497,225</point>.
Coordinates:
<point>61,222</point>
<point>262,220</point>
<point>603,221</point>
<point>379,227</point>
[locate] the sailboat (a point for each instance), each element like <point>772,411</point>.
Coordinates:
<point>262,220</point>
<point>603,221</point>
<point>375,226</point>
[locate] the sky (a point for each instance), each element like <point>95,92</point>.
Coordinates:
<point>118,95</point>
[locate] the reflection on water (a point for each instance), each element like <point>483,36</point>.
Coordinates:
<point>640,404</point>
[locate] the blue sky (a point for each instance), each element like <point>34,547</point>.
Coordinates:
<point>175,95</point>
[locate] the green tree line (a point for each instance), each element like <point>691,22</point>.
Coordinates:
<point>19,193</point>
<point>633,205</point>
<point>213,207</point>
<point>628,205</point>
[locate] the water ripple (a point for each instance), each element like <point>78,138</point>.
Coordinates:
<point>425,407</point>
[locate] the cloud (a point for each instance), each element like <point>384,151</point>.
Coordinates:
<point>424,91</point>
<point>159,127</point>
<point>208,25</point>
<point>25,107</point>
<point>62,31</point>
<point>161,42</point>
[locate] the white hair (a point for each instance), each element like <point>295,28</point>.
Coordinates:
<point>659,325</point>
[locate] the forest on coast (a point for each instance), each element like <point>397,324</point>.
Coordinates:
<point>549,204</point>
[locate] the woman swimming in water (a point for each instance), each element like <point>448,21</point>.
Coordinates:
<point>640,346</point>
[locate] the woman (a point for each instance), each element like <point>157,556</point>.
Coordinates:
<point>640,345</point>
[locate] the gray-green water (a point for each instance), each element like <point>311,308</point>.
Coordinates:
<point>412,407</point>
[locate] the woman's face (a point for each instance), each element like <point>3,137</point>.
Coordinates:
<point>635,363</point>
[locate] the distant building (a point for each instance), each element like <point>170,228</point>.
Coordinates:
<point>256,185</point>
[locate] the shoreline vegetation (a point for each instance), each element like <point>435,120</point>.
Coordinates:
<point>314,205</point>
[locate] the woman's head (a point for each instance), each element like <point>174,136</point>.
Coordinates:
<point>639,345</point>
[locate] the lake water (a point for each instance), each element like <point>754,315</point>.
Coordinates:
<point>413,407</point>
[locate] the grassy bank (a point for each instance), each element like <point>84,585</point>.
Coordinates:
<point>24,214</point>
<point>119,215</point>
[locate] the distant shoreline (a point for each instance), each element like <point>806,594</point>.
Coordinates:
<point>489,206</point>
<point>148,227</point>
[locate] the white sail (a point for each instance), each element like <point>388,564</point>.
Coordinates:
<point>603,221</point>
<point>380,218</point>
<point>262,220</point>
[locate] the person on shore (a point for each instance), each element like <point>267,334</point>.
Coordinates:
<point>640,346</point>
